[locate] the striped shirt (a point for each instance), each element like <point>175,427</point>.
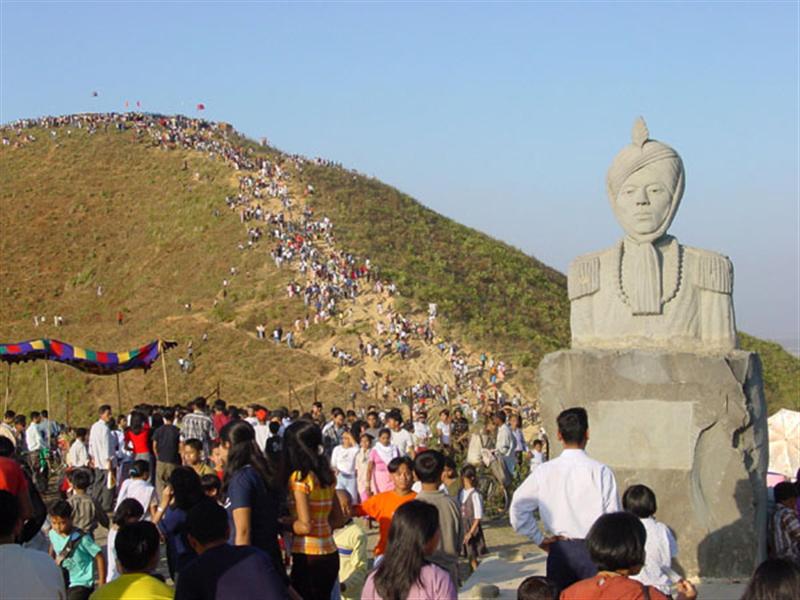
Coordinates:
<point>198,426</point>
<point>320,500</point>
<point>786,534</point>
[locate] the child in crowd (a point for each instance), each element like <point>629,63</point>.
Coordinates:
<point>537,457</point>
<point>362,466</point>
<point>428,467</point>
<point>211,486</point>
<point>274,442</point>
<point>351,542</point>
<point>136,546</point>
<point>450,478</point>
<point>192,457</point>
<point>660,547</point>
<point>78,453</point>
<point>537,587</point>
<point>222,571</point>
<point>138,486</point>
<point>379,479</point>
<point>75,552</point>
<point>616,543</point>
<point>129,511</point>
<point>407,571</point>
<point>87,513</point>
<point>422,431</point>
<point>471,503</point>
<point>218,459</point>
<point>382,507</point>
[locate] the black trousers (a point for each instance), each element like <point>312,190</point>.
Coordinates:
<point>79,592</point>
<point>100,491</point>
<point>313,576</point>
<point>568,562</point>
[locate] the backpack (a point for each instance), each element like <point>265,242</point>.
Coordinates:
<point>66,552</point>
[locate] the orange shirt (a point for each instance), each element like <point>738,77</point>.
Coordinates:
<point>381,507</point>
<point>605,587</point>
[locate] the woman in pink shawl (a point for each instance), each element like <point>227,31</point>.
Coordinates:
<point>378,477</point>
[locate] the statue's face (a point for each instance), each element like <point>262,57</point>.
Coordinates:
<point>643,202</point>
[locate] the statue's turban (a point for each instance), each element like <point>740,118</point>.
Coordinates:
<point>640,153</point>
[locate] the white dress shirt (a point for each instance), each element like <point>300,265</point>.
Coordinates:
<point>505,443</point>
<point>33,437</point>
<point>444,432</point>
<point>422,432</point>
<point>403,440</point>
<point>100,445</point>
<point>659,550</point>
<point>78,455</point>
<point>571,492</point>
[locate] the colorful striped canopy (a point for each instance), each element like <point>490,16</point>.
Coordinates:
<point>90,361</point>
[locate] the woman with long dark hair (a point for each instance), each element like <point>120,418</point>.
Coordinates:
<point>314,511</point>
<point>253,495</point>
<point>182,493</point>
<point>404,572</point>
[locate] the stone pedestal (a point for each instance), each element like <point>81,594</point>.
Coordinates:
<point>691,427</point>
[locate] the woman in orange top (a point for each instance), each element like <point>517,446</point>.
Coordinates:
<point>616,545</point>
<point>381,507</point>
<point>314,512</point>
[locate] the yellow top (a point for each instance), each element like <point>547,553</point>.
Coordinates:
<point>136,586</point>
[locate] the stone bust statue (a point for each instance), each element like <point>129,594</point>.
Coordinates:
<point>649,291</point>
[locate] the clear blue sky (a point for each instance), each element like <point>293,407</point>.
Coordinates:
<point>502,116</point>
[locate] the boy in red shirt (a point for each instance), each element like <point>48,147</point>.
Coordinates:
<point>381,507</point>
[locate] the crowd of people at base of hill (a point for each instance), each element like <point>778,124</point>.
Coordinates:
<point>273,504</point>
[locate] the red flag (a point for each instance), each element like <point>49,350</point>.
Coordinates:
<point>126,104</point>
<point>201,107</point>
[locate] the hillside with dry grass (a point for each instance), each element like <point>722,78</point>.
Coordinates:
<point>149,228</point>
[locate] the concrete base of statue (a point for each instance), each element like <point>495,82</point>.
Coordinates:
<point>691,427</point>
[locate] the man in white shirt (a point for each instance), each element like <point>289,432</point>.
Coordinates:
<point>101,451</point>
<point>443,427</point>
<point>33,440</point>
<point>505,444</point>
<point>571,492</point>
<point>400,437</point>
<point>26,573</point>
<point>422,432</point>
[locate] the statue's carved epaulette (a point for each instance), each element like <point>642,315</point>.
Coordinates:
<point>584,277</point>
<point>715,272</point>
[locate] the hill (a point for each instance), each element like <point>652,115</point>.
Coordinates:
<point>152,217</point>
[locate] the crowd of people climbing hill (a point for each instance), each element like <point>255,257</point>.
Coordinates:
<point>327,277</point>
